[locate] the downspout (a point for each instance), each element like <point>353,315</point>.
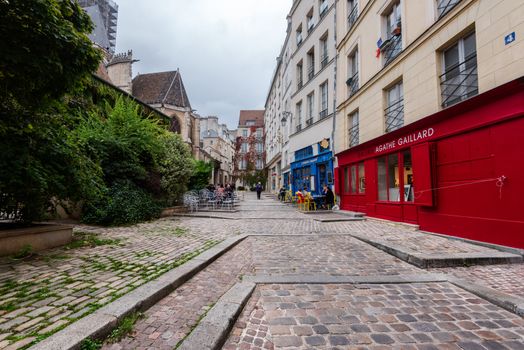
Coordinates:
<point>334,99</point>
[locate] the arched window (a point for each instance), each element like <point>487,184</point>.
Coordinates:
<point>175,125</point>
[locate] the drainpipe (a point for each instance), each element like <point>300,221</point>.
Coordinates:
<point>334,97</point>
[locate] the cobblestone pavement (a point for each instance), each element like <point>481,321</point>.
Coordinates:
<point>505,278</point>
<point>43,294</point>
<point>406,316</point>
<point>168,322</point>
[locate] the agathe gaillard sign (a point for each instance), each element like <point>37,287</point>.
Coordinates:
<point>405,140</point>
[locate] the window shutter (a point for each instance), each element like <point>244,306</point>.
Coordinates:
<point>424,173</point>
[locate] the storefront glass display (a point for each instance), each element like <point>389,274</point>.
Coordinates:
<point>408,177</point>
<point>382,179</point>
<point>353,179</point>
<point>361,179</point>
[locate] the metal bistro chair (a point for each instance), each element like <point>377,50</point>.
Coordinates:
<point>212,200</point>
<point>191,201</point>
<point>228,202</point>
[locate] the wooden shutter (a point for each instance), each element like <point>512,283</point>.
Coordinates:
<point>424,173</point>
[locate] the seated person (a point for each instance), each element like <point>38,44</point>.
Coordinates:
<point>300,197</point>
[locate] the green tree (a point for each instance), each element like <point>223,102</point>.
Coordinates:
<point>45,54</point>
<point>176,168</point>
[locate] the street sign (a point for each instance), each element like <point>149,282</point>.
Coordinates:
<point>509,38</point>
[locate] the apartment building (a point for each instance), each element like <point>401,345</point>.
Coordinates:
<point>249,145</point>
<point>218,141</point>
<point>430,114</point>
<point>276,122</point>
<point>311,113</point>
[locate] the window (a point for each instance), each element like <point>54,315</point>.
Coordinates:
<point>311,64</point>
<point>259,132</point>
<point>242,164</point>
<point>392,177</point>
<point>259,164</point>
<point>352,82</point>
<point>324,57</point>
<point>395,108</point>
<point>323,8</point>
<point>323,100</point>
<point>244,147</point>
<point>353,129</point>
<point>354,179</point>
<point>244,133</point>
<point>310,106</point>
<point>444,6</point>
<point>250,123</point>
<point>310,23</point>
<point>299,116</point>
<point>459,80</point>
<point>259,147</point>
<point>352,13</point>
<point>392,47</point>
<point>299,76</point>
<point>299,36</point>
<point>304,153</point>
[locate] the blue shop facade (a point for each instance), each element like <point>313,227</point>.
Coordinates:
<point>313,167</point>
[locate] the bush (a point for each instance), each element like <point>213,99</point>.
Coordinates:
<point>176,167</point>
<point>201,175</point>
<point>124,203</point>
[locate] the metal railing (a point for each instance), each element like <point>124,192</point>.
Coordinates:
<point>299,127</point>
<point>352,84</point>
<point>391,48</point>
<point>459,82</point>
<point>352,17</point>
<point>323,114</point>
<point>310,26</point>
<point>395,115</point>
<point>311,72</point>
<point>309,121</point>
<point>324,61</point>
<point>323,9</point>
<point>444,6</point>
<point>353,135</point>
<point>300,83</point>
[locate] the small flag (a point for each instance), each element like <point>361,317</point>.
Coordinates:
<point>379,44</point>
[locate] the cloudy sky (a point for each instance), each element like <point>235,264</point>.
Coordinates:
<point>226,49</point>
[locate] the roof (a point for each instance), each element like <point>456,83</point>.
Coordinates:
<point>161,88</point>
<point>251,115</point>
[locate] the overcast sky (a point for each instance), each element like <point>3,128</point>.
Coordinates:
<point>226,49</point>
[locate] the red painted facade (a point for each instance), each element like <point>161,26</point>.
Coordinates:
<point>461,170</point>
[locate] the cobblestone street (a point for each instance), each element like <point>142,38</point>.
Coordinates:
<point>51,290</point>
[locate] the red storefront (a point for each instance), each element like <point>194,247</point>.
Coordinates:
<point>458,172</point>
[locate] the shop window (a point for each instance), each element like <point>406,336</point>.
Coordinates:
<point>354,179</point>
<point>361,179</point>
<point>392,177</point>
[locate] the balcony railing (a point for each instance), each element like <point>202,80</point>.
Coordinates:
<point>352,17</point>
<point>352,84</point>
<point>310,25</point>
<point>309,121</point>
<point>324,61</point>
<point>395,115</point>
<point>299,39</point>
<point>299,127</point>
<point>323,114</point>
<point>353,136</point>
<point>444,6</point>
<point>391,48</point>
<point>311,72</point>
<point>459,82</point>
<point>300,83</point>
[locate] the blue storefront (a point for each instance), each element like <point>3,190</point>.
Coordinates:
<point>313,167</point>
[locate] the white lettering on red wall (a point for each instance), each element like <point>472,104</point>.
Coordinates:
<point>405,140</point>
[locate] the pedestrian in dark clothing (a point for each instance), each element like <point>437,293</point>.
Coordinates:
<point>329,198</point>
<point>258,188</point>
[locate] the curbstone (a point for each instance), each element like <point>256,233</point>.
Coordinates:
<point>101,322</point>
<point>213,330</point>
<point>328,279</point>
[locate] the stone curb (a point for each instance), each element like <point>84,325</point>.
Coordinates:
<point>213,330</point>
<point>102,321</point>
<point>506,301</point>
<point>327,279</point>
<point>442,260</point>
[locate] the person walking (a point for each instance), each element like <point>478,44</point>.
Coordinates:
<point>258,188</point>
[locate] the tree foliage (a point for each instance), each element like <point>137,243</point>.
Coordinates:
<point>176,168</point>
<point>201,175</point>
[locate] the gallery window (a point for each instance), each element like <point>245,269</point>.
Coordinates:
<point>355,179</point>
<point>395,172</point>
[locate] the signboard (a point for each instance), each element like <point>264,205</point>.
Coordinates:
<point>508,39</point>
